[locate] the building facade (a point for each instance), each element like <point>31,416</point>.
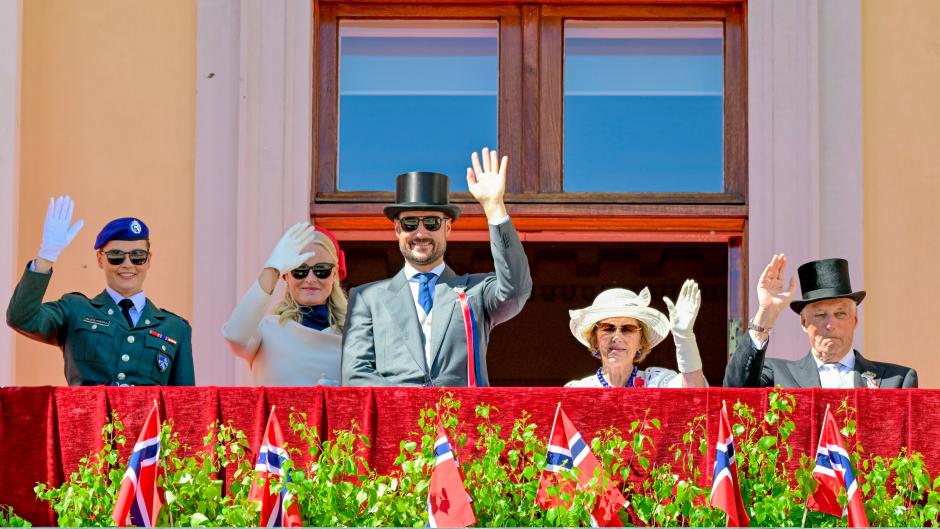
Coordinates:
<point>745,129</point>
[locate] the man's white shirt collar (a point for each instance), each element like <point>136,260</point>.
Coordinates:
<point>139,299</point>
<point>846,363</point>
<point>411,271</point>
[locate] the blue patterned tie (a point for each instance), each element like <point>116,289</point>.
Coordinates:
<point>425,298</point>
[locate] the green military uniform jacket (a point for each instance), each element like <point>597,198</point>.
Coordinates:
<point>96,342</point>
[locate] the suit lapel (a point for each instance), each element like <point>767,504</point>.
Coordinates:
<point>405,317</point>
<point>862,366</point>
<point>805,372</point>
<point>445,301</point>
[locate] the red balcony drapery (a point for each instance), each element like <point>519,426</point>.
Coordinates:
<point>44,431</point>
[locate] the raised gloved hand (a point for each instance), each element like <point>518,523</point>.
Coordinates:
<point>286,255</point>
<point>58,231</point>
<point>682,316</point>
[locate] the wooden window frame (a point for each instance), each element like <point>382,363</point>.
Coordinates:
<point>531,99</point>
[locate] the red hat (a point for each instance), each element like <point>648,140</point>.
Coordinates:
<point>340,255</point>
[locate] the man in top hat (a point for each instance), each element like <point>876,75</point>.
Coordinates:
<point>829,314</point>
<point>411,329</point>
<point>117,338</point>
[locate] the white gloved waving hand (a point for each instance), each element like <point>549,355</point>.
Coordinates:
<point>286,255</point>
<point>682,316</point>
<point>58,231</point>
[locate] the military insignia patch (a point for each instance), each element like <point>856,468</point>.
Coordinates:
<point>163,362</point>
<point>135,227</point>
<point>96,321</point>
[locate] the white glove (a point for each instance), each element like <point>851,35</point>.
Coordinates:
<point>56,232</point>
<point>682,316</point>
<point>286,255</point>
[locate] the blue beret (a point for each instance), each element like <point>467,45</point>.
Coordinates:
<point>123,229</point>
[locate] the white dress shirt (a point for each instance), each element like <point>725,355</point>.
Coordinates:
<point>837,375</point>
<point>424,319</point>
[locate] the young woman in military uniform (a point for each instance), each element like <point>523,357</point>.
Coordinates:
<point>119,337</point>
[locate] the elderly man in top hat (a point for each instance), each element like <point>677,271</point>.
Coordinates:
<point>117,338</point>
<point>829,314</point>
<point>428,326</point>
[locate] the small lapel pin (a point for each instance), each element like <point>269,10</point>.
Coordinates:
<point>870,380</point>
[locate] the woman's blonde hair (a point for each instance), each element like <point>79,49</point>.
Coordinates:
<point>289,309</point>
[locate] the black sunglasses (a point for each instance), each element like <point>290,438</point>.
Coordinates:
<point>137,257</point>
<point>320,270</point>
<point>430,223</point>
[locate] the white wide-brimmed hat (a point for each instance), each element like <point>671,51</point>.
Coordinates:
<point>620,303</point>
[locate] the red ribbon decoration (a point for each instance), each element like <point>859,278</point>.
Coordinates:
<point>468,327</point>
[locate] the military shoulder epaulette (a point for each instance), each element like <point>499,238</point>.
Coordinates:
<point>76,294</point>
<point>171,313</point>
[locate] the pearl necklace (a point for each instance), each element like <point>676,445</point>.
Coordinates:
<point>604,383</point>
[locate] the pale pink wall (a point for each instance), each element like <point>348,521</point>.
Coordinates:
<point>901,81</point>
<point>10,21</point>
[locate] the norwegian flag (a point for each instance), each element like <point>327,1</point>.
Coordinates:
<point>139,502</point>
<point>833,473</point>
<point>568,450</point>
<point>271,458</point>
<point>448,501</point>
<point>726,492</point>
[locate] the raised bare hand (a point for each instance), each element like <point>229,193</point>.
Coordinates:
<point>771,294</point>
<point>486,181</point>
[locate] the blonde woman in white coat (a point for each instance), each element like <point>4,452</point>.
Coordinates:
<point>300,344</point>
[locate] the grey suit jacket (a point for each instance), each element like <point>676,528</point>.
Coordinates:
<point>383,343</point>
<point>749,368</point>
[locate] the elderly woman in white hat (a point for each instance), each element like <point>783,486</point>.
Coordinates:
<point>620,328</point>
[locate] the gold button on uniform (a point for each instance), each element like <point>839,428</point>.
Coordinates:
<point>146,322</point>
<point>93,327</point>
<point>125,358</point>
<point>110,312</point>
<point>130,339</point>
<point>121,376</point>
<point>163,347</point>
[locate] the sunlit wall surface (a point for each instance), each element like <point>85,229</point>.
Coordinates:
<point>414,96</point>
<point>643,106</point>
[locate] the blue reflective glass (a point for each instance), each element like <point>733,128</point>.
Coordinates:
<point>643,107</point>
<point>414,96</point>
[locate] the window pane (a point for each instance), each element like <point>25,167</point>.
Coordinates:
<point>643,106</point>
<point>414,96</point>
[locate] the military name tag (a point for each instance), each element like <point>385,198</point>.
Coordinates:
<point>96,321</point>
<point>163,362</point>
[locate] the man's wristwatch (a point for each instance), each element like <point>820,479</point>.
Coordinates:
<point>751,326</point>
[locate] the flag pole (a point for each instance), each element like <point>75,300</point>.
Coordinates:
<point>550,433</point>
<point>724,408</point>
<point>159,466</point>
<point>821,430</point>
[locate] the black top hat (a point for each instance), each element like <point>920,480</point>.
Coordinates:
<point>421,190</point>
<point>825,279</point>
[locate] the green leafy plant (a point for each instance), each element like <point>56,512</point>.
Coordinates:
<point>338,484</point>
<point>8,518</point>
<point>193,489</point>
<point>87,497</point>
